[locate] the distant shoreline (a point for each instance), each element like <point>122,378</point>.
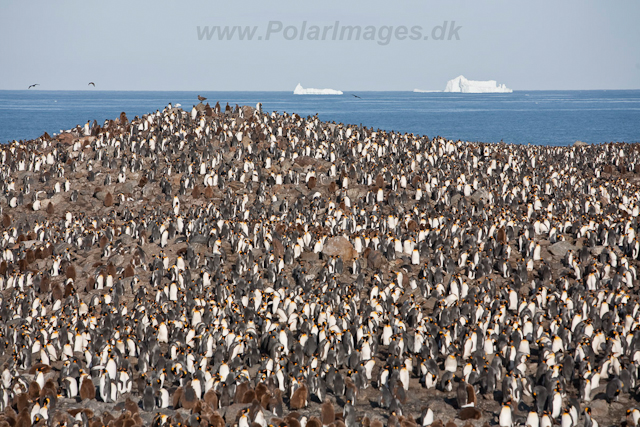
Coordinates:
<point>289,91</point>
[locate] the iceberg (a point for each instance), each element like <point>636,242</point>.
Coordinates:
<point>462,85</point>
<point>299,90</point>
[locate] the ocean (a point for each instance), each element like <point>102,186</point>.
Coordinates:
<point>521,117</point>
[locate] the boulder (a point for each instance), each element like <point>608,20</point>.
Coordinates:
<point>339,246</point>
<point>560,249</point>
<point>129,186</point>
<point>356,193</point>
<point>66,138</point>
<point>117,260</point>
<point>311,163</point>
<point>247,111</point>
<point>323,179</point>
<point>100,195</point>
<point>232,412</point>
<point>599,409</point>
<point>304,161</point>
<point>480,194</point>
<point>309,256</point>
<point>580,144</point>
<point>87,140</point>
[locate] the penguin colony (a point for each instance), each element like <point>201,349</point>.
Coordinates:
<point>228,266</point>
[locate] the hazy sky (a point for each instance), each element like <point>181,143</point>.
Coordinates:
<point>154,45</point>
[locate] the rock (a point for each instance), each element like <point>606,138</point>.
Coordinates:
<point>309,256</point>
<point>61,248</point>
<point>126,239</point>
<point>232,411</point>
<point>597,250</point>
<point>455,199</point>
<point>28,243</point>
<point>356,194</point>
<point>57,198</point>
<point>439,407</point>
<point>117,260</point>
<point>560,249</point>
<point>339,246</point>
<point>148,191</point>
<point>129,186</point>
<point>286,165</point>
<point>323,179</point>
<point>580,144</point>
<point>66,138</point>
<point>480,194</point>
<point>304,161</point>
<point>236,186</point>
<point>87,140</point>
<point>599,409</point>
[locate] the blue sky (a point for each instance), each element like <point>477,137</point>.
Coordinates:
<point>144,45</point>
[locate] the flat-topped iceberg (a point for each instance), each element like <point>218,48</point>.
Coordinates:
<point>462,85</point>
<point>299,90</point>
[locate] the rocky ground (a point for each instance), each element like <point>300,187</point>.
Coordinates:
<point>142,257</point>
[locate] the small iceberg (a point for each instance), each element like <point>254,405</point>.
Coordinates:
<point>461,85</point>
<point>299,90</point>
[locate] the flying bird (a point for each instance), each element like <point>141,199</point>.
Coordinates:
<point>92,84</point>
<point>37,84</point>
<point>356,96</point>
<point>201,98</point>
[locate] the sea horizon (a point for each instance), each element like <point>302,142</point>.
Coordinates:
<point>549,117</point>
<point>291,91</point>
